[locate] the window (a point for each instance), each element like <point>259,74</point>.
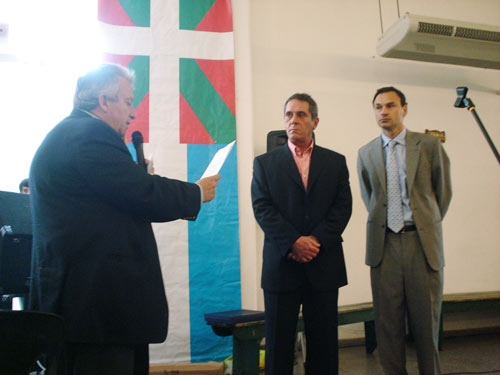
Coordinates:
<point>48,45</point>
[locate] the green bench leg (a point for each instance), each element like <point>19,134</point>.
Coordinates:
<point>246,356</point>
<point>370,336</point>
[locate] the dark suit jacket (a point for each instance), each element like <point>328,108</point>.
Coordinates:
<point>285,211</point>
<point>95,260</point>
<point>429,187</point>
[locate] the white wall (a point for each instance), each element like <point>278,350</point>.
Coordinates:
<point>327,48</point>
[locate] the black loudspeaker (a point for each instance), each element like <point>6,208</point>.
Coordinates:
<point>276,138</point>
<point>15,243</point>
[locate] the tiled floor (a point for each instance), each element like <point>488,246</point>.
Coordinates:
<point>478,354</point>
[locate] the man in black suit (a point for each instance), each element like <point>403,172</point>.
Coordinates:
<point>95,260</point>
<point>302,201</point>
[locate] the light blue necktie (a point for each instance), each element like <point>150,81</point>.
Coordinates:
<point>395,220</point>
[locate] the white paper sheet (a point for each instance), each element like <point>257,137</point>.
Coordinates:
<point>218,160</point>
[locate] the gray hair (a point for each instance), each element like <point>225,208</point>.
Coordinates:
<point>313,107</point>
<point>103,80</point>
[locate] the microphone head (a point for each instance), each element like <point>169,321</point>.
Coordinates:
<point>137,138</point>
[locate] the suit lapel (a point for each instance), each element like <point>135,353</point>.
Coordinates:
<point>315,167</point>
<point>377,154</point>
<point>289,166</point>
<point>412,157</point>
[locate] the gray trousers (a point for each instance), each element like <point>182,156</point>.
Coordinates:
<point>405,284</point>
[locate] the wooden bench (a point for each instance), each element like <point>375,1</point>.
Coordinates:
<point>465,302</point>
<point>248,335</point>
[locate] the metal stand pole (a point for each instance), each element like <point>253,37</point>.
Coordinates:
<point>470,106</point>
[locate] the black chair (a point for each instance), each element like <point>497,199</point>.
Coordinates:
<point>27,336</point>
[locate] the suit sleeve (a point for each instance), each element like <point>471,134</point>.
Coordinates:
<point>276,228</point>
<point>331,228</point>
<point>106,165</point>
<point>441,179</point>
<point>364,182</point>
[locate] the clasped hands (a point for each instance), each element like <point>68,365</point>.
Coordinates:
<point>305,249</point>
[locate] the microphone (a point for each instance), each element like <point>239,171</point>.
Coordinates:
<point>138,140</point>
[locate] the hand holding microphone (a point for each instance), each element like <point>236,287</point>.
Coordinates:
<point>137,141</point>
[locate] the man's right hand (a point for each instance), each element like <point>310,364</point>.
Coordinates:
<point>208,186</point>
<point>305,249</point>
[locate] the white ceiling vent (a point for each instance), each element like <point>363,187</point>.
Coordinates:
<point>440,40</point>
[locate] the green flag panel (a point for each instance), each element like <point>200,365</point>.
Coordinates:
<point>191,12</point>
<point>206,103</point>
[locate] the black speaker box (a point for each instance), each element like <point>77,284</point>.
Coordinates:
<point>276,138</point>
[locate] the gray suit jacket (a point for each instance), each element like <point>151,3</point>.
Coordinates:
<point>429,187</point>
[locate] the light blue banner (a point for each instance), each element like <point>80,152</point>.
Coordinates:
<point>214,255</point>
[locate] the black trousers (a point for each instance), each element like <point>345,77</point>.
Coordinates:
<point>92,359</point>
<point>319,310</point>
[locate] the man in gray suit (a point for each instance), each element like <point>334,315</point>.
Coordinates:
<point>405,185</point>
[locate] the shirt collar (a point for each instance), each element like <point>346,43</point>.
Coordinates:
<point>89,113</point>
<point>400,138</point>
<point>296,151</point>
